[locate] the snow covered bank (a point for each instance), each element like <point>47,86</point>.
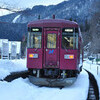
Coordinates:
<point>93,69</point>
<point>5,12</point>
<point>8,66</point>
<point>22,89</point>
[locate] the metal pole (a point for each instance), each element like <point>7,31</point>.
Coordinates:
<point>38,73</point>
<point>63,73</point>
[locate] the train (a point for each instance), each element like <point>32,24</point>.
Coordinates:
<point>54,52</point>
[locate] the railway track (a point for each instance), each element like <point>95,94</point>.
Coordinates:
<point>93,93</point>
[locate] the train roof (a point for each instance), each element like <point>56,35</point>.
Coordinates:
<point>52,23</point>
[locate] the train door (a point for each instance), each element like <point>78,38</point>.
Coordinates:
<point>51,48</point>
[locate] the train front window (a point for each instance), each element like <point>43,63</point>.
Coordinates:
<point>51,41</point>
<point>69,39</point>
<point>35,39</point>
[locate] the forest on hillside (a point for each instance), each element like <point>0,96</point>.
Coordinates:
<point>91,30</point>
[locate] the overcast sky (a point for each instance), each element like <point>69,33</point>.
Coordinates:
<point>29,3</point>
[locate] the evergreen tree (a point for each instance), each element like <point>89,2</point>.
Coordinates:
<point>70,19</point>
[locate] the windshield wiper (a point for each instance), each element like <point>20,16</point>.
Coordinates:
<point>65,48</point>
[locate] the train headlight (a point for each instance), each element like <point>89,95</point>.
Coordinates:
<point>30,55</point>
<point>34,71</point>
<point>69,56</point>
<point>33,55</point>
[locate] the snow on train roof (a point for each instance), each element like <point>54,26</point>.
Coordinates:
<point>52,23</point>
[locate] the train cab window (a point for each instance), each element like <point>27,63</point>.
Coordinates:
<point>51,41</point>
<point>34,37</point>
<point>69,39</point>
<point>35,40</point>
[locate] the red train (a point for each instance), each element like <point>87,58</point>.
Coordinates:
<point>54,52</point>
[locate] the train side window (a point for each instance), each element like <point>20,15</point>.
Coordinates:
<point>35,40</point>
<point>51,41</point>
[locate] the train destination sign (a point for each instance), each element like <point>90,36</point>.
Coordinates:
<point>36,29</point>
<point>68,30</point>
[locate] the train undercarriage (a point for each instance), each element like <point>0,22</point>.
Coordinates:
<point>52,77</point>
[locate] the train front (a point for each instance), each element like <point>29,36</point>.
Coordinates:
<point>54,54</point>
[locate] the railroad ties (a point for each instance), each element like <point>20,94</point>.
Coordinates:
<point>93,93</point>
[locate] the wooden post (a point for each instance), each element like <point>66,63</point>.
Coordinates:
<point>90,66</point>
<point>97,70</point>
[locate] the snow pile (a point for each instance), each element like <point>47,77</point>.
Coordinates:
<point>3,73</point>
<point>22,89</point>
<point>8,66</point>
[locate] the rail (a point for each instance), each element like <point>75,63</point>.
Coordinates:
<point>93,93</point>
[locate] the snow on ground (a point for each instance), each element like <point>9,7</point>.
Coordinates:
<point>8,66</point>
<point>94,69</point>
<point>22,89</point>
<point>4,12</point>
<point>15,19</point>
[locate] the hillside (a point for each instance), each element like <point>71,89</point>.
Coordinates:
<point>76,9</point>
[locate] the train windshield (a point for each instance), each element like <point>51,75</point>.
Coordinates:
<point>69,39</point>
<point>34,39</point>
